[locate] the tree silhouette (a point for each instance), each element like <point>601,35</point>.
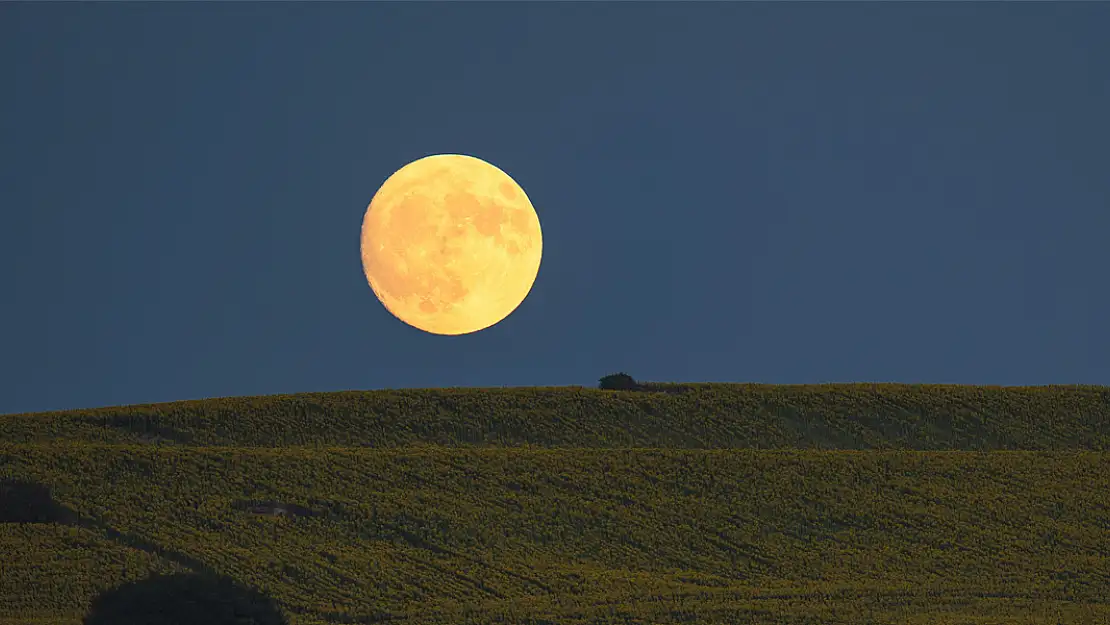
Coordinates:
<point>183,599</point>
<point>22,501</point>
<point>618,382</point>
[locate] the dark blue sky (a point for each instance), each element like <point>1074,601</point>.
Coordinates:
<point>766,192</point>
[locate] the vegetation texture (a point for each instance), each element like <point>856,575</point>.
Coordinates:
<point>837,504</point>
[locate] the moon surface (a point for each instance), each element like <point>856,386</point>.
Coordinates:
<point>451,244</point>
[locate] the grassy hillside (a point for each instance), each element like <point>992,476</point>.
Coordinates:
<point>680,416</point>
<point>576,506</point>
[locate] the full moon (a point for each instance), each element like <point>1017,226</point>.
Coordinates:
<point>450,244</point>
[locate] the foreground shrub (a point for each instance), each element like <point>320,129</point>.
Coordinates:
<point>183,599</point>
<point>30,502</point>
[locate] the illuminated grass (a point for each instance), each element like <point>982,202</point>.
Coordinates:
<point>609,531</point>
<point>832,416</point>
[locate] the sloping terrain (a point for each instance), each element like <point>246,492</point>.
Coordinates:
<point>696,503</point>
<point>679,416</point>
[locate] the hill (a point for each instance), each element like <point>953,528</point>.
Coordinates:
<point>671,416</point>
<point>686,503</point>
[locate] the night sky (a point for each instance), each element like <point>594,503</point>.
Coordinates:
<point>748,192</point>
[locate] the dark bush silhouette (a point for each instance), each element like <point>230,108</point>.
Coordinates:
<point>618,382</point>
<point>183,599</point>
<point>30,502</point>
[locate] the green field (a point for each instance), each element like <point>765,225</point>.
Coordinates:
<point>701,503</point>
